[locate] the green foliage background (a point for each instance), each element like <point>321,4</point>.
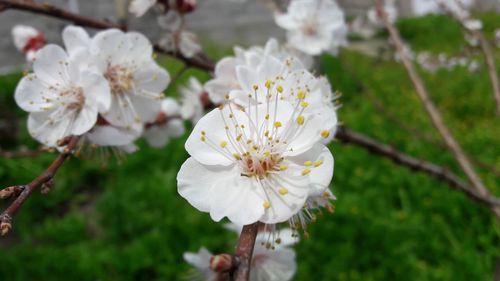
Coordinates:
<point>125,221</point>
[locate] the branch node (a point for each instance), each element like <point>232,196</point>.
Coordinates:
<point>5,224</point>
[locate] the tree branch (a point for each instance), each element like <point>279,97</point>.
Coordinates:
<point>244,252</point>
<point>432,110</point>
<point>348,136</point>
<point>52,11</point>
<point>26,190</point>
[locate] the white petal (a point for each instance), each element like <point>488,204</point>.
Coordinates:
<point>75,37</point>
<point>146,108</point>
<point>151,78</point>
<point>84,120</point>
<point>175,128</point>
<point>32,94</point>
<point>140,47</point>
<point>96,89</point>
<point>156,136</point>
<point>114,136</point>
<point>50,65</point>
<point>47,132</point>
<point>140,7</point>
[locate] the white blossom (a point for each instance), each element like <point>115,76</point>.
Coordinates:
<point>28,40</point>
<point>258,157</point>
<point>225,79</point>
<point>389,8</point>
<point>193,97</point>
<point>167,124</point>
<point>269,263</point>
<point>314,26</point>
<point>140,7</point>
<point>177,37</point>
<point>424,7</point>
<point>107,135</point>
<point>62,99</point>
<point>136,81</point>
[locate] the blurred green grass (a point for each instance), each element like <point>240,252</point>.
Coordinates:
<point>127,222</point>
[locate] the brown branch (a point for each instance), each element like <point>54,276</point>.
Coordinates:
<point>432,110</point>
<point>44,178</point>
<point>52,11</point>
<point>244,252</point>
<point>22,153</point>
<point>347,136</point>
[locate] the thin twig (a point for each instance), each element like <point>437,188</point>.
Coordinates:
<point>432,110</point>
<point>348,136</point>
<point>22,153</point>
<point>43,178</point>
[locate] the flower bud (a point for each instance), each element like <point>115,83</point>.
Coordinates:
<point>5,226</point>
<point>221,263</point>
<point>185,6</point>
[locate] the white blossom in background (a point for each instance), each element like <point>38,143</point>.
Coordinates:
<point>62,99</point>
<point>28,40</point>
<point>104,134</point>
<point>259,156</point>
<point>137,82</point>
<point>314,26</point>
<point>497,37</point>
<point>139,7</point>
<point>269,263</point>
<point>177,37</point>
<point>225,79</point>
<point>168,124</point>
<point>424,7</point>
<point>389,8</point>
<point>193,100</point>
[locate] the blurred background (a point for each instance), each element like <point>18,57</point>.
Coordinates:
<point>122,219</point>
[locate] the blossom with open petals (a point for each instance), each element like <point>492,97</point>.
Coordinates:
<point>62,99</point>
<point>177,37</point>
<point>167,124</point>
<point>259,156</point>
<point>314,26</point>
<point>28,40</point>
<point>276,263</point>
<point>137,82</point>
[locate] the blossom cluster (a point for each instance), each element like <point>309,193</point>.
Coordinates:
<point>260,156</point>
<point>273,258</point>
<point>106,88</point>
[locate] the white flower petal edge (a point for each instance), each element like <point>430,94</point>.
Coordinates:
<point>139,7</point>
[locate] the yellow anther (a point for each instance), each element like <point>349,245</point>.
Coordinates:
<point>231,115</point>
<point>242,126</point>
<point>268,83</point>
<point>279,88</point>
<point>283,191</point>
<point>223,144</point>
<point>267,117</point>
<point>203,139</point>
<point>203,133</point>
<point>325,133</point>
<point>249,141</point>
<point>237,156</point>
<point>301,95</point>
<point>277,124</point>
<point>283,167</point>
<point>255,147</point>
<point>226,127</point>
<point>318,163</point>
<point>300,120</point>
<point>266,133</point>
<point>226,96</point>
<point>326,195</point>
<point>306,171</point>
<point>304,104</point>
<point>255,87</point>
<point>267,154</point>
<point>238,138</point>
<point>266,205</point>
<point>308,163</point>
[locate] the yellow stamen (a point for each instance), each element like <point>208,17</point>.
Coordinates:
<point>277,124</point>
<point>318,163</point>
<point>223,144</point>
<point>306,171</point>
<point>300,120</point>
<point>308,163</point>
<point>301,95</point>
<point>283,191</point>
<point>279,88</point>
<point>304,104</point>
<point>325,133</point>
<point>283,167</point>
<point>266,205</point>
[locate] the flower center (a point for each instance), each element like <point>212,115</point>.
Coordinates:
<point>120,78</point>
<point>75,98</point>
<point>260,165</point>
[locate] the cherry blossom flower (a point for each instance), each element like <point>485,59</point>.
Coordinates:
<point>167,124</point>
<point>136,81</point>
<point>193,100</point>
<point>389,8</point>
<point>140,7</point>
<point>269,263</point>
<point>62,99</point>
<point>314,26</point>
<point>424,7</point>
<point>225,79</point>
<point>104,134</point>
<point>259,156</point>
<point>28,40</point>
<point>177,37</point>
